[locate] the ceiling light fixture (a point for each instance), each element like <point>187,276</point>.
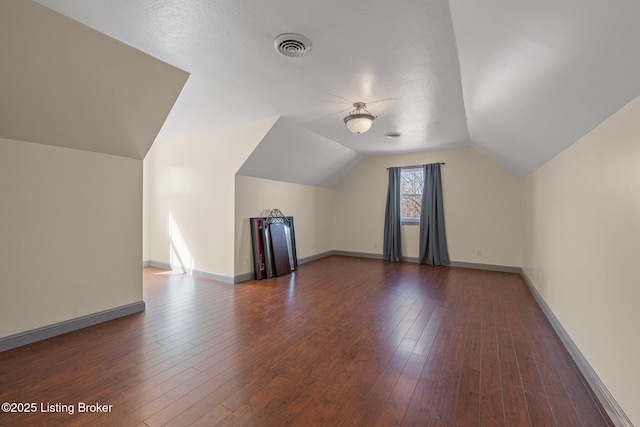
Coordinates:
<point>359,120</point>
<point>393,134</point>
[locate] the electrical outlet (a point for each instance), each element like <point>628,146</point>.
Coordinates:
<point>548,286</point>
<point>479,252</point>
<point>375,245</point>
<point>246,260</point>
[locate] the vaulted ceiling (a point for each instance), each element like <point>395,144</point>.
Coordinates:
<point>519,81</point>
<point>66,85</point>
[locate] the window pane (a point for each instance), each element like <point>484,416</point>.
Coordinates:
<point>411,185</point>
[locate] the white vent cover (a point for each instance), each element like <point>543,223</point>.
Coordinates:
<point>292,45</point>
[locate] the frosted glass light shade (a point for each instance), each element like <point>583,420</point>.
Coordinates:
<point>359,123</point>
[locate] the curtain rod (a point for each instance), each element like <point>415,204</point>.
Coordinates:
<point>416,166</point>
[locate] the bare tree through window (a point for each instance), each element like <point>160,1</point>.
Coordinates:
<point>411,186</point>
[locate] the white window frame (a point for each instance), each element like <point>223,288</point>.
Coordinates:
<point>403,219</point>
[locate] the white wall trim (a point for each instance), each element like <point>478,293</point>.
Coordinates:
<point>315,257</point>
<point>194,272</point>
<point>157,264</point>
<point>244,277</point>
<point>50,331</point>
<point>490,267</point>
<point>461,264</point>
<point>610,405</point>
<point>607,400</point>
<point>226,279</point>
<point>355,254</point>
<point>250,276</point>
<point>213,276</point>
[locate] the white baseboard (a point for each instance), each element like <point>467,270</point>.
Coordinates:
<point>461,264</point>
<point>607,400</point>
<point>315,257</point>
<point>239,278</point>
<point>199,273</point>
<point>42,333</point>
<point>610,405</point>
<point>356,254</point>
<point>489,267</point>
<point>613,409</point>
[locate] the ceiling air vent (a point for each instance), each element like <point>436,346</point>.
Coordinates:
<point>292,45</point>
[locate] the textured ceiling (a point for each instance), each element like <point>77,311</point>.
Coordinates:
<point>519,81</point>
<point>67,85</point>
<point>291,153</point>
<point>538,75</point>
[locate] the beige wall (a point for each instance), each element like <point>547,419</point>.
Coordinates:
<point>70,226</point>
<point>146,202</point>
<point>311,207</point>
<point>573,225</point>
<point>482,204</point>
<point>189,188</point>
<point>190,183</point>
<point>582,244</point>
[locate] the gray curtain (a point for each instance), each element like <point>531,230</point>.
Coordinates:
<point>392,245</point>
<point>433,239</point>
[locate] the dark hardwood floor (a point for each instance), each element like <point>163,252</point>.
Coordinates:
<point>342,341</point>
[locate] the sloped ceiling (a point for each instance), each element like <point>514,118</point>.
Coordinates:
<point>519,81</point>
<point>537,76</point>
<point>64,84</point>
<point>291,153</point>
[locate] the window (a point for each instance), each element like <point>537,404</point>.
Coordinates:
<point>411,185</point>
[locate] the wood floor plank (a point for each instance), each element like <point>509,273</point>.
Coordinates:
<point>515,405</point>
<point>491,394</point>
<point>211,418</point>
<point>538,405</point>
<point>447,386</point>
<point>366,410</point>
<point>342,341</point>
<point>393,409</point>
<point>468,393</point>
